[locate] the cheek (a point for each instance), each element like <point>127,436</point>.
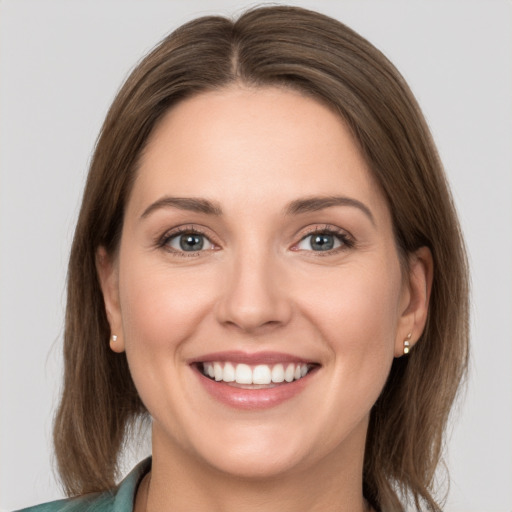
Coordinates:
<point>161,307</point>
<point>161,310</point>
<point>357,306</point>
<point>357,314</point>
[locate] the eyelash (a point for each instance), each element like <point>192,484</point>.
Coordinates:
<point>189,230</point>
<point>347,242</point>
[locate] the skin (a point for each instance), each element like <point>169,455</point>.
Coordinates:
<point>259,286</point>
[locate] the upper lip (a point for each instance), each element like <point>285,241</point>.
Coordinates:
<point>237,356</point>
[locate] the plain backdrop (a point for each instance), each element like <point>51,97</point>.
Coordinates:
<point>61,63</point>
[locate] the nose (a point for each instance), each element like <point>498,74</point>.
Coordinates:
<point>255,296</point>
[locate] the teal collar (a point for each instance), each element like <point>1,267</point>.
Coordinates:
<point>124,497</point>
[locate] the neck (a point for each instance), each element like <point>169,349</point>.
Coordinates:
<point>180,481</point>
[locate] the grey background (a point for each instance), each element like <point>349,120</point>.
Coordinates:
<point>61,63</point>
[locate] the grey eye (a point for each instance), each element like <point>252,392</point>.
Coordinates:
<point>319,242</point>
<point>189,242</point>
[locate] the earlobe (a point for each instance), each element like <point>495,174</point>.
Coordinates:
<point>108,276</point>
<point>416,299</point>
<point>116,344</point>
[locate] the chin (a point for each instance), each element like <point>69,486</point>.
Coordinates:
<point>256,465</point>
<point>249,451</point>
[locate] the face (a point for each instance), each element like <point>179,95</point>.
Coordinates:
<point>257,289</point>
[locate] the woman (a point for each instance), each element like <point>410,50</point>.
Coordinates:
<point>267,263</point>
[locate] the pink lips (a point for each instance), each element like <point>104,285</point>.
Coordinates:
<point>246,397</point>
<point>237,356</point>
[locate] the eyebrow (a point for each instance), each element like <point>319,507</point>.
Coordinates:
<point>192,204</point>
<point>296,207</point>
<point>314,204</point>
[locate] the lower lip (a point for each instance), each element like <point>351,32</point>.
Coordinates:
<point>252,399</point>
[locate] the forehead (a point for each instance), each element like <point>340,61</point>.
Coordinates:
<point>240,144</point>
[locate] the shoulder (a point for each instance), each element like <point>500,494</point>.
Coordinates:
<point>119,499</point>
<point>102,502</point>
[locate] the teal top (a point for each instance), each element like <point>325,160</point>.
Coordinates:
<point>119,499</point>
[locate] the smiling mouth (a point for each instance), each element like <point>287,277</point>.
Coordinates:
<point>259,376</point>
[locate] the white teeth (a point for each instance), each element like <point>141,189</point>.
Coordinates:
<point>278,373</point>
<point>217,371</point>
<point>289,373</point>
<point>243,374</point>
<point>260,374</point>
<point>229,373</point>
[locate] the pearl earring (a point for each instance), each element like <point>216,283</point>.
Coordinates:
<point>407,344</point>
<point>114,338</point>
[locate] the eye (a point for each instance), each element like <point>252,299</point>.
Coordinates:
<point>324,241</point>
<point>189,241</point>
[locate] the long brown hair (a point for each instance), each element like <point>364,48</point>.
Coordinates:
<point>312,53</point>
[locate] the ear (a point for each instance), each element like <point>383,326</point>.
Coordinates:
<point>108,274</point>
<point>415,299</point>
